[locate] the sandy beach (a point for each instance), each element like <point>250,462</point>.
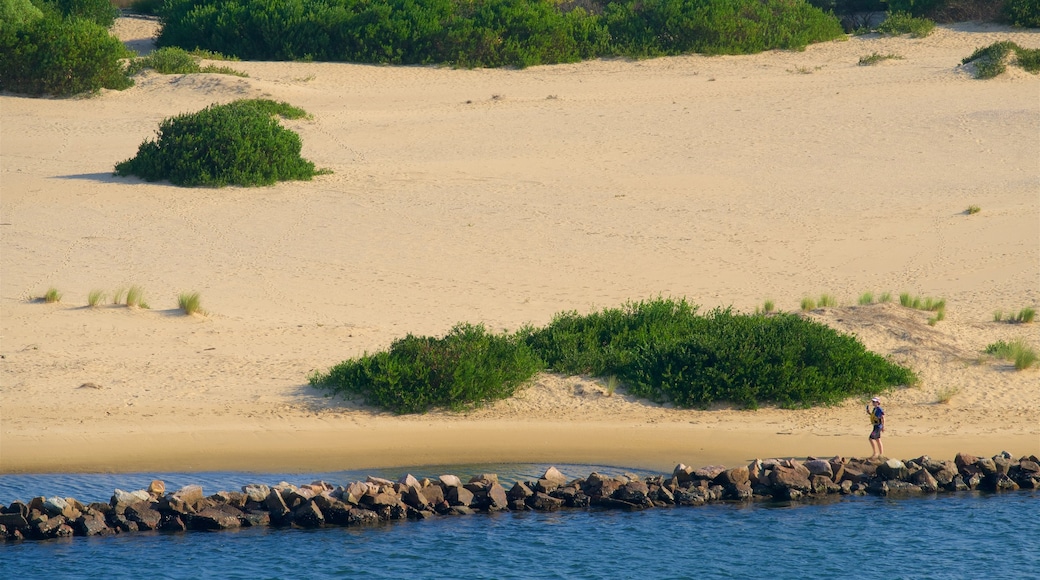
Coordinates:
<point>503,197</point>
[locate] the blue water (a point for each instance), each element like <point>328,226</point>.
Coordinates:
<point>965,535</point>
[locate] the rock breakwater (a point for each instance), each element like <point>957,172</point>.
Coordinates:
<point>377,500</point>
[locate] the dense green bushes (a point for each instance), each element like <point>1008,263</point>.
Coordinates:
<point>991,60</point>
<point>60,56</point>
<point>661,349</point>
<point>239,143</point>
<point>1023,13</point>
<point>487,32</point>
<point>97,11</point>
<point>469,366</point>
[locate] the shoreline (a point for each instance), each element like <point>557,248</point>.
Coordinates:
<point>327,448</point>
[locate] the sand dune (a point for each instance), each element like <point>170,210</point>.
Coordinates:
<point>503,197</point>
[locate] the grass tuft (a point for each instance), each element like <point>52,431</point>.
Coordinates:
<point>972,210</point>
<point>899,23</point>
<point>1025,316</point>
<point>95,298</point>
<point>134,298</point>
<point>189,303</point>
<point>885,298</point>
<point>866,298</point>
<point>1021,354</point>
<point>612,384</point>
<point>118,297</point>
<point>945,394</point>
<point>875,58</point>
<point>827,300</point>
<point>808,304</point>
<point>992,60</point>
<point>52,295</point>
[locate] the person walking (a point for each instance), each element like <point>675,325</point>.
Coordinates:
<point>877,418</point>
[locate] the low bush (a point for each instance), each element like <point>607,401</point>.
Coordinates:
<point>190,303</point>
<point>875,58</point>
<point>467,367</point>
<point>51,296</point>
<point>664,351</point>
<point>97,11</point>
<point>1017,351</point>
<point>488,32</point>
<point>53,55</point>
<point>175,60</point>
<point>992,60</point>
<point>15,13</point>
<point>899,23</point>
<point>1024,13</point>
<point>239,143</point>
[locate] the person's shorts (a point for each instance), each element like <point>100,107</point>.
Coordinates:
<point>876,433</point>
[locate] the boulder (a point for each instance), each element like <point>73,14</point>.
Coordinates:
<point>496,498</point>
<point>689,497</point>
<point>92,523</point>
<point>986,465</point>
<point>821,484</point>
<point>125,498</point>
<point>925,480</point>
<point>434,494</point>
<point>554,475</point>
<point>682,473</point>
<point>634,492</point>
<point>380,481</point>
<point>47,527</point>
<point>277,508</point>
<point>1002,463</point>
<point>756,472</point>
<point>893,469</point>
<point>144,515</point>
<point>485,478</point>
<point>256,518</point>
<point>820,467</point>
<point>413,497</point>
<point>256,492</point>
<point>963,460</point>
<point>459,496</point>
<point>308,516</point>
<point>543,502</point>
<point>600,486</point>
<point>156,488</point>
<point>736,476</point>
<point>215,518</point>
<point>450,481</point>
<point>172,522</point>
<point>790,478</point>
<point>55,506</point>
<point>519,491</point>
<point>409,480</point>
<point>738,491</point>
<point>708,472</point>
<point>13,520</point>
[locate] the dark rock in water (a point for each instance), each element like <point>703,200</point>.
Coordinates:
<point>925,480</point>
<point>172,504</point>
<point>459,496</point>
<point>460,510</point>
<point>256,518</point>
<point>543,502</point>
<point>14,520</point>
<point>609,502</point>
<point>434,494</point>
<point>414,498</point>
<point>47,527</point>
<point>738,491</point>
<point>1029,466</point>
<point>999,482</point>
<point>973,481</point>
<point>823,484</point>
<point>172,522</point>
<point>276,507</point>
<point>689,497</point>
<point>308,516</point>
<point>215,518</point>
<point>92,523</point>
<point>634,492</point>
<point>1002,463</point>
<point>146,517</point>
<point>600,486</point>
<point>892,487</point>
<point>665,496</point>
<point>519,491</point>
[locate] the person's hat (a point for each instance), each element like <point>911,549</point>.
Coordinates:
<point>875,400</point>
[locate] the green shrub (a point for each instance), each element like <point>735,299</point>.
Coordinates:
<point>1021,354</point>
<point>991,60</point>
<point>97,11</point>
<point>61,56</point>
<point>239,143</point>
<point>664,351</point>
<point>190,303</point>
<point>15,13</point>
<point>151,7</point>
<point>51,296</point>
<point>1025,13</point>
<point>488,32</point>
<point>467,367</point>
<point>866,298</point>
<point>875,58</point>
<point>173,60</point>
<point>1025,316</point>
<point>899,23</point>
<point>808,304</point>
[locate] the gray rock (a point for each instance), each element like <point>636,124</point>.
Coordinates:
<point>708,472</point>
<point>450,481</point>
<point>632,492</point>
<point>120,497</point>
<point>92,524</point>
<point>277,508</point>
<point>308,516</point>
<point>820,467</point>
<point>215,518</point>
<point>925,480</point>
<point>189,494</point>
<point>790,478</point>
<point>434,494</point>
<point>987,466</point>
<point>736,476</point>
<point>554,475</point>
<point>413,497</point>
<point>893,469</point>
<point>256,492</point>
<point>459,496</point>
<point>519,491</point>
<point>144,515</point>
<point>543,502</point>
<point>496,497</point>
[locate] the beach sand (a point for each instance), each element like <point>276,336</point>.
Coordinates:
<point>504,197</point>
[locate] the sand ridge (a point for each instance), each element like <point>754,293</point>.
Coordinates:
<point>503,197</point>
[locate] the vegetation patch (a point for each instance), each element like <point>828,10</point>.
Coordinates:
<point>993,60</point>
<point>55,54</point>
<point>899,23</point>
<point>972,210</point>
<point>467,367</point>
<point>239,143</point>
<point>1024,13</point>
<point>190,303</point>
<point>877,58</point>
<point>51,296</point>
<point>663,350</point>
<point>489,33</point>
<point>1017,351</point>
<point>174,60</point>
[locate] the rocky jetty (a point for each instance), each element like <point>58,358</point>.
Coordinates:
<point>380,500</point>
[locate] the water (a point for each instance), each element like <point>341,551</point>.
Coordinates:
<point>946,536</point>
